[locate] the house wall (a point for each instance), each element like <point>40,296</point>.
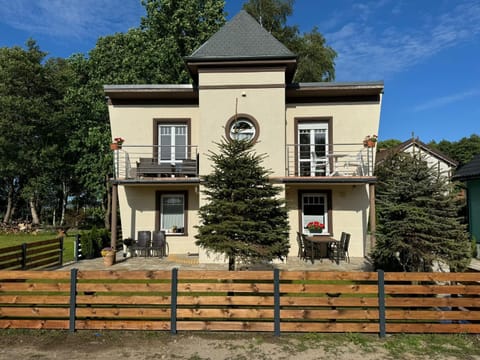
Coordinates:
<point>351,122</point>
<point>260,94</point>
<point>138,212</point>
<point>135,123</point>
<point>441,166</point>
<point>349,214</point>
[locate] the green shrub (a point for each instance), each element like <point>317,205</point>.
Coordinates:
<point>93,242</point>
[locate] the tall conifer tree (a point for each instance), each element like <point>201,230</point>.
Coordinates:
<point>243,219</point>
<point>417,218</point>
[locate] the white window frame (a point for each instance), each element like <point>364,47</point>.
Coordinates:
<point>319,165</point>
<point>181,223</point>
<point>173,153</point>
<point>305,219</point>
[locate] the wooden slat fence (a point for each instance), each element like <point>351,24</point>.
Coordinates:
<point>270,301</point>
<point>36,255</point>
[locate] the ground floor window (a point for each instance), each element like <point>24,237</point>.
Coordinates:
<point>172,212</point>
<point>315,206</point>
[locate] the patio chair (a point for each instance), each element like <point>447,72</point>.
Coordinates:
<point>143,243</point>
<point>310,248</point>
<point>301,246</point>
<point>339,251</point>
<point>159,245</point>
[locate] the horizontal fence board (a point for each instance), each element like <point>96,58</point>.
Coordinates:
<point>224,326</point>
<point>226,313</point>
<point>34,312</point>
<point>27,286</point>
<point>328,288</point>
<point>123,300</point>
<point>124,275</point>
<point>39,250</point>
<point>34,324</point>
<point>431,301</point>
<point>222,287</point>
<point>330,276</point>
<point>432,315</point>
<point>10,249</point>
<point>224,275</point>
<point>34,299</point>
<point>43,243</point>
<point>434,328</point>
<point>48,262</point>
<point>17,256</point>
<point>34,275</point>
<point>328,301</point>
<point>123,287</point>
<point>432,289</point>
<point>12,265</point>
<point>123,312</point>
<point>329,327</point>
<point>437,276</point>
<point>226,300</point>
<point>330,314</point>
<point>121,325</point>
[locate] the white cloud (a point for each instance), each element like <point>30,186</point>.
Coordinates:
<point>445,100</point>
<point>371,45</point>
<point>70,18</point>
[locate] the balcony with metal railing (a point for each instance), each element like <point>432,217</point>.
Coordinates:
<point>322,161</point>
<point>156,163</point>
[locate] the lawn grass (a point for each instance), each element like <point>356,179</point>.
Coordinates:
<point>7,240</point>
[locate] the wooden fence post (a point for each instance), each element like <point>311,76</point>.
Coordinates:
<point>276,297</point>
<point>381,303</point>
<point>73,298</point>
<point>173,302</point>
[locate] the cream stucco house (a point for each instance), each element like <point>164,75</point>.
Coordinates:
<point>242,87</point>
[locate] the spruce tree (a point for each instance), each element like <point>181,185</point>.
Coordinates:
<point>243,218</point>
<point>418,219</point>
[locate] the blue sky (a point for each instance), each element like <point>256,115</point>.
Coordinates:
<point>426,51</point>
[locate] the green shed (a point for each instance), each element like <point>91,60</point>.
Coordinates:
<point>470,174</point>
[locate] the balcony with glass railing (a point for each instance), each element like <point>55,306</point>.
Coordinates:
<point>139,162</point>
<point>329,160</point>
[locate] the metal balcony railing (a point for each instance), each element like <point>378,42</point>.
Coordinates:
<point>315,160</point>
<point>155,161</point>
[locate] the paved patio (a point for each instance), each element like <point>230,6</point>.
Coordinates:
<point>185,261</point>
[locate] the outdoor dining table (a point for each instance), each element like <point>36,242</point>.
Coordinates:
<point>323,241</point>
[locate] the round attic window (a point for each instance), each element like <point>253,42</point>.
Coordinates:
<point>242,127</point>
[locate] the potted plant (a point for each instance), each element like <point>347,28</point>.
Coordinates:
<point>108,255</point>
<point>315,227</point>
<point>117,143</point>
<point>370,141</point>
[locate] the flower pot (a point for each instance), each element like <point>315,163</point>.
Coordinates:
<point>369,143</point>
<point>109,259</point>
<point>315,231</point>
<point>115,146</point>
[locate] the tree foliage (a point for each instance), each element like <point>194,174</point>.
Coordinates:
<point>243,219</point>
<point>462,151</point>
<point>316,60</point>
<point>417,218</point>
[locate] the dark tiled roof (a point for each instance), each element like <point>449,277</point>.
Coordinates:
<point>241,38</point>
<point>383,154</point>
<point>470,170</point>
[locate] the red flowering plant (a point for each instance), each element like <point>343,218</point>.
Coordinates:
<point>315,226</point>
<point>119,140</point>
